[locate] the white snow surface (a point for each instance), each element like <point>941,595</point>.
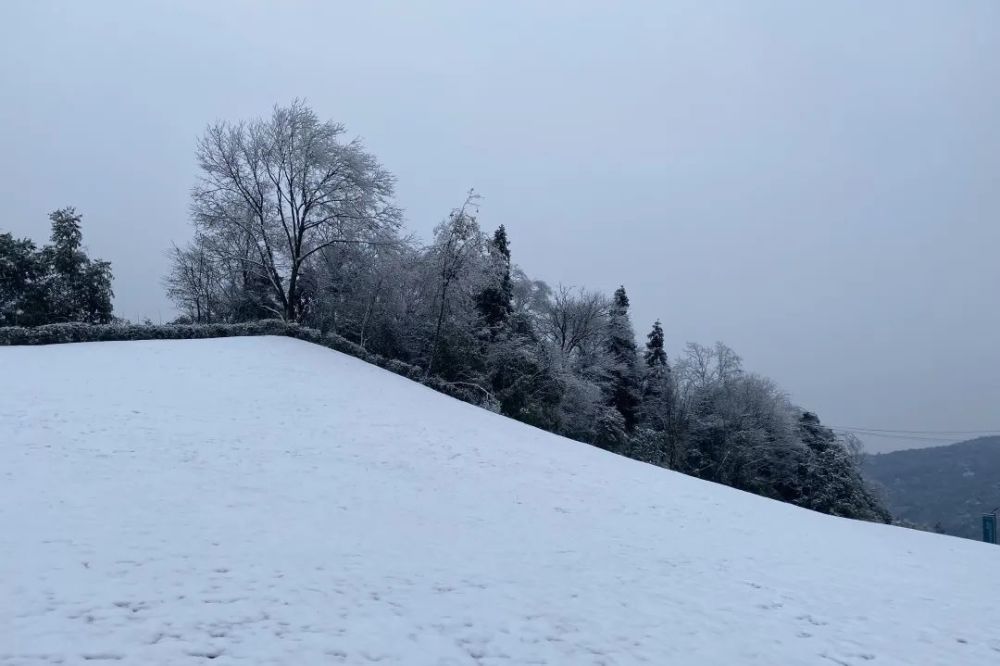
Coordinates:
<point>267,501</point>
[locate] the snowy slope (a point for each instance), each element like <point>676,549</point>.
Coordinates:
<point>266,501</point>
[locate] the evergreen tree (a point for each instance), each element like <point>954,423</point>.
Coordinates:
<point>22,283</point>
<point>655,354</point>
<point>96,293</point>
<point>609,430</point>
<point>495,301</point>
<point>517,369</point>
<point>658,391</point>
<point>832,481</point>
<point>67,257</point>
<point>621,350</point>
<point>58,283</point>
<point>79,289</point>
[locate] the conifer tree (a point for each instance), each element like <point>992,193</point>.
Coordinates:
<point>658,391</point>
<point>494,302</point>
<point>621,349</point>
<point>79,288</point>
<point>23,299</point>
<point>66,238</point>
<point>655,354</point>
<point>55,284</point>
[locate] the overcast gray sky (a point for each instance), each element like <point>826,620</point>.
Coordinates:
<point>816,184</point>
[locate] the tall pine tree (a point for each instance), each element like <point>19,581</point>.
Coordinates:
<point>655,354</point>
<point>494,301</point>
<point>623,373</point>
<point>658,393</point>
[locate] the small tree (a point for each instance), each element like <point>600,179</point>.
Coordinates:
<point>194,283</point>
<point>609,430</point>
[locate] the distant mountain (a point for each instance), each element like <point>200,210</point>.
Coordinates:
<point>944,488</point>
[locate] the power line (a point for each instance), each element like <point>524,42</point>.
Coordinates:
<point>995,431</point>
<point>908,438</point>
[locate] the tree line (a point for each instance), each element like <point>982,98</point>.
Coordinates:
<point>293,220</point>
<point>56,283</point>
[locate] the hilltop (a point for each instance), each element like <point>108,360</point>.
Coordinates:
<point>264,501</point>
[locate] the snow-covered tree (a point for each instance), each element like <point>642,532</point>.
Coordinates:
<point>655,354</point>
<point>623,374</point>
<point>22,289</point>
<point>657,410</point>
<point>294,221</point>
<point>79,288</point>
<point>495,300</point>
<point>574,320</point>
<point>456,261</point>
<point>291,187</point>
<point>833,482</point>
<point>194,283</point>
<point>58,283</point>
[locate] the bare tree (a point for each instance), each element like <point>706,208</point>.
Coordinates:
<point>455,255</point>
<point>290,187</point>
<point>192,282</point>
<point>575,319</point>
<point>702,366</point>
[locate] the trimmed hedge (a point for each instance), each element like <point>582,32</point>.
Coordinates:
<point>50,334</point>
<point>78,332</point>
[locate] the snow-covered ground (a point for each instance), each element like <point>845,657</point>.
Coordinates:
<point>266,501</point>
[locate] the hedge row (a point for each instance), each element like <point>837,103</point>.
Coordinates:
<point>78,332</point>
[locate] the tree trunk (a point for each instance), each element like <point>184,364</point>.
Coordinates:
<point>437,329</point>
<point>291,309</point>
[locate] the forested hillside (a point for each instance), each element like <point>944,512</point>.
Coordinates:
<point>944,488</point>
<point>292,220</point>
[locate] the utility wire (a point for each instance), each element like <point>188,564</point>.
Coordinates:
<point>995,431</point>
<point>908,438</point>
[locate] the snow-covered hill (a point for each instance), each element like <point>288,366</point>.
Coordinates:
<point>266,501</point>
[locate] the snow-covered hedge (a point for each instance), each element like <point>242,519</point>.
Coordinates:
<point>80,332</point>
<point>77,332</point>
